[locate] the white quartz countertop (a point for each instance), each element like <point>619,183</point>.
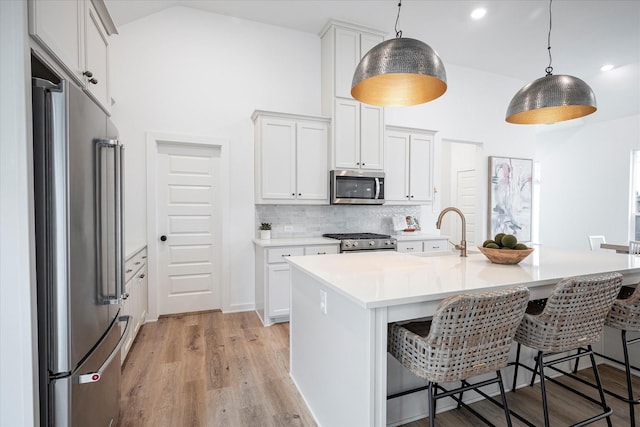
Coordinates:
<point>301,241</point>
<point>380,279</point>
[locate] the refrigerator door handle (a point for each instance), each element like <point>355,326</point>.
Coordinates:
<point>93,377</point>
<point>116,216</point>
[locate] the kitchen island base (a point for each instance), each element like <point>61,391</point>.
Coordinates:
<point>341,306</point>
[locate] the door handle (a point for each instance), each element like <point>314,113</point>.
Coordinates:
<point>163,238</point>
<point>93,377</point>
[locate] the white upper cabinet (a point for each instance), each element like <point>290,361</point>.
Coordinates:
<point>408,166</point>
<point>74,34</point>
<point>358,129</point>
<point>291,154</point>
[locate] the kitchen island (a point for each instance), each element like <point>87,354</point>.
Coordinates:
<point>341,305</point>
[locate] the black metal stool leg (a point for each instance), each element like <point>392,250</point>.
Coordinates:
<point>535,369</point>
<point>515,372</point>
<point>545,408</point>
<point>627,368</point>
<point>432,405</point>
<point>598,383</point>
<point>504,399</point>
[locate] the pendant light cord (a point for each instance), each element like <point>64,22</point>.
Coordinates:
<point>398,32</point>
<point>549,69</point>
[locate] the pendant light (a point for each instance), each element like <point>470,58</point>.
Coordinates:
<point>551,99</point>
<point>399,72</point>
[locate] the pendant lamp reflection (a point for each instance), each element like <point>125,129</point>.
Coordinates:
<point>399,72</point>
<point>551,99</point>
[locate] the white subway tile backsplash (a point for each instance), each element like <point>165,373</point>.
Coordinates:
<point>314,221</point>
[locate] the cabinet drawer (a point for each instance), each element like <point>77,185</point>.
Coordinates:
<point>134,263</point>
<point>412,246</point>
<point>277,254</point>
<point>435,245</point>
<point>321,250</point>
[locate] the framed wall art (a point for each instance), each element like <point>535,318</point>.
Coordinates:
<point>510,193</point>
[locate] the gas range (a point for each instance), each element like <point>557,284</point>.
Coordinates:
<point>353,242</point>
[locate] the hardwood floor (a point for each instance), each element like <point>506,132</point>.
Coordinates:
<point>210,369</point>
<point>214,369</point>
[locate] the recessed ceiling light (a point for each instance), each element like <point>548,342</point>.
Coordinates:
<point>607,67</point>
<point>478,13</point>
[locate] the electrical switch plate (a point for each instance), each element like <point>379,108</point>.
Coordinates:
<point>288,228</point>
<point>323,301</point>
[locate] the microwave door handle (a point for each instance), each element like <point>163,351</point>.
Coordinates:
<point>377,196</point>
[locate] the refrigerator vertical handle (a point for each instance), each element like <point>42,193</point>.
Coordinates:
<point>114,202</point>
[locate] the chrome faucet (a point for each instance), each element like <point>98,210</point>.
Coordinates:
<point>462,247</point>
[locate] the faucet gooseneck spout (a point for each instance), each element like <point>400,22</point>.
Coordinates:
<point>462,247</point>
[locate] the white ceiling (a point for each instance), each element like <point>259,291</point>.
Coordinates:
<point>511,40</point>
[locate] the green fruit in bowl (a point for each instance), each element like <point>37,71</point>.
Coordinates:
<point>520,247</point>
<point>492,245</point>
<point>509,240</point>
<point>498,238</point>
<point>486,242</point>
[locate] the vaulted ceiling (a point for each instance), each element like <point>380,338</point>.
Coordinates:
<point>510,40</point>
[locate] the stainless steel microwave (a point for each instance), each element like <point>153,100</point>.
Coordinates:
<point>350,187</point>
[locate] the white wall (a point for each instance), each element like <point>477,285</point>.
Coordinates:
<point>189,72</point>
<point>585,181</point>
<point>18,357</point>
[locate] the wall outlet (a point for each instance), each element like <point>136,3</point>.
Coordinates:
<point>323,301</point>
<point>288,228</point>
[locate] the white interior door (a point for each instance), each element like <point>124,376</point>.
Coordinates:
<point>188,278</point>
<point>466,202</point>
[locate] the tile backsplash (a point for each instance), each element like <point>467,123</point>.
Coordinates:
<point>314,221</point>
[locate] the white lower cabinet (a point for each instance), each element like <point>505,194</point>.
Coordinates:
<point>135,296</point>
<point>430,245</point>
<point>273,278</point>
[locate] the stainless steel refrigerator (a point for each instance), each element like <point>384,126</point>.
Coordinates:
<point>79,256</point>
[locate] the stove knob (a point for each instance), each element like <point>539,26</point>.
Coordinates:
<point>388,242</point>
<point>355,244</point>
<point>347,244</point>
<point>372,243</point>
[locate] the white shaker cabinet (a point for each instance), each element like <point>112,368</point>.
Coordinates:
<point>409,166</point>
<point>272,288</point>
<point>75,33</point>
<point>358,129</point>
<point>428,245</point>
<point>135,296</point>
<point>358,135</point>
<point>291,159</point>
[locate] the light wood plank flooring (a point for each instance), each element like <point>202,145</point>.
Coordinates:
<point>214,369</point>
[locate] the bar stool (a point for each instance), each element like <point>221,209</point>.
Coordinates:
<point>624,316</point>
<point>469,335</point>
<point>571,318</point>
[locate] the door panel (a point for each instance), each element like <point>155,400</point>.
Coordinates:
<point>186,215</point>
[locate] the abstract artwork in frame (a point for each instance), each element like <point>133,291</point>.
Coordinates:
<point>510,191</point>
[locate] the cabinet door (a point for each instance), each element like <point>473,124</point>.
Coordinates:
<point>97,58</point>
<point>321,250</point>
<point>278,276</point>
<point>420,179</point>
<point>277,159</point>
<point>368,41</point>
<point>58,26</point>
<point>126,311</point>
<point>371,137</point>
<point>347,134</point>
<point>396,181</point>
<point>312,151</point>
<point>143,295</point>
<point>347,56</point>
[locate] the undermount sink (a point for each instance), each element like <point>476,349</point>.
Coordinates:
<point>443,253</point>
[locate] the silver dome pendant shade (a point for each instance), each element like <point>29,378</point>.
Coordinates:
<point>551,99</point>
<point>399,72</point>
